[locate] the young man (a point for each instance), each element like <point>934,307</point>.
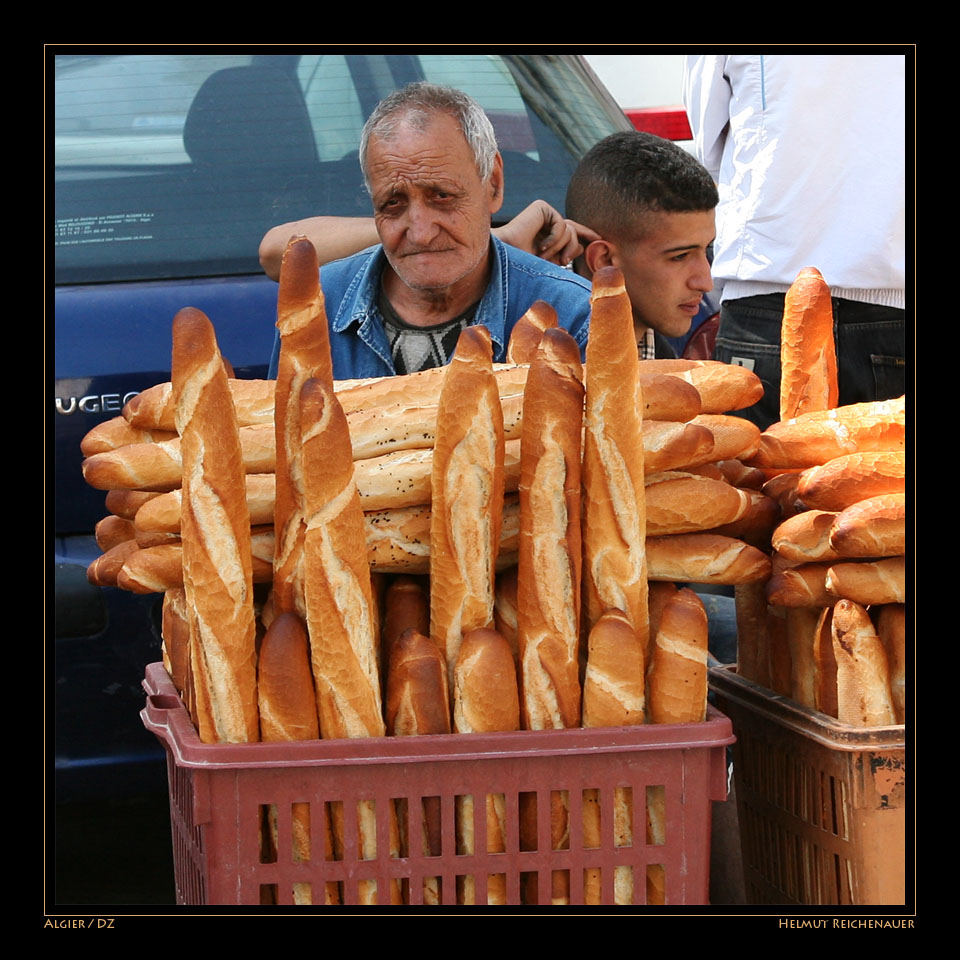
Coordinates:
<point>653,206</point>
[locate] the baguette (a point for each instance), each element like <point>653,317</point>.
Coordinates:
<point>843,481</point>
<point>485,700</point>
<point>614,518</point>
<point>467,487</point>
<point>808,356</point>
<point>814,438</point>
<point>722,386</point>
<point>676,693</point>
<point>216,548</point>
<point>613,696</point>
<point>705,558</point>
<point>339,599</point>
<point>111,531</point>
<point>872,528</point>
<point>115,433</point>
<point>863,677</point>
<point>528,331</point>
<point>892,630</point>
<point>548,579</point>
<point>805,537</point>
<point>341,616</point>
<point>288,711</point>
<point>418,704</point>
<point>869,582</point>
<point>304,353</point>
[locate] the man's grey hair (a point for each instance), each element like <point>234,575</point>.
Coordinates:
<point>417,104</point>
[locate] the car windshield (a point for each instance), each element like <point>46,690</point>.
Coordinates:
<point>176,165</point>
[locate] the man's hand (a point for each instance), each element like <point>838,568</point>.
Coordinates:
<point>540,230</point>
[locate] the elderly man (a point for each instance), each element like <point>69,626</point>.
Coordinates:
<point>431,164</point>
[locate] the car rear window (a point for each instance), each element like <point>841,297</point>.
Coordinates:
<point>176,165</point>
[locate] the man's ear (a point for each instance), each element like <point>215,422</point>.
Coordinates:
<point>496,184</point>
<point>599,254</point>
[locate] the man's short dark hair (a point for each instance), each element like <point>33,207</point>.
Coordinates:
<point>629,174</point>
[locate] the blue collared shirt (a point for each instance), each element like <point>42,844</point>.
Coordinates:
<point>358,343</point>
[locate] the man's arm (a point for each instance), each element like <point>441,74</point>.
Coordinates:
<point>333,237</point>
<point>538,229</point>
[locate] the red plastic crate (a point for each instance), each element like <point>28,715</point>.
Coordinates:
<point>217,792</point>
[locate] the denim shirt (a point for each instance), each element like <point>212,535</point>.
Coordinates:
<point>358,343</point>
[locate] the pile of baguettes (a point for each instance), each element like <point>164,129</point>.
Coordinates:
<point>829,628</point>
<point>624,472</point>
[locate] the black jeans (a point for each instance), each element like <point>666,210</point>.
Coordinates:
<point>870,349</point>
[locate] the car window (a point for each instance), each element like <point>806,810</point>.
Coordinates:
<point>174,166</point>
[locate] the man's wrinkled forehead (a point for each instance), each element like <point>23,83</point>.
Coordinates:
<point>418,120</point>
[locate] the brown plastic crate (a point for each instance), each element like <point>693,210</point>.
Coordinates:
<point>821,803</point>
<point>217,792</point>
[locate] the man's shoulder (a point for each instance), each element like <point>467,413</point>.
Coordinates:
<point>348,277</point>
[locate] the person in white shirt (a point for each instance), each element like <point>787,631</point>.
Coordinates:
<point>808,153</point>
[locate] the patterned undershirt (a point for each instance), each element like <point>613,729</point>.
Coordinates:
<point>419,348</point>
<point>646,346</point>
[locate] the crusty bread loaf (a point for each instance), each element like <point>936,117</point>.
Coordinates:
<point>705,558</point>
<point>154,408</point>
<point>505,603</point>
<point>733,437</point>
<point>667,397</point>
<point>548,584</point>
<point>175,632</point>
<point>824,665</point>
<point>339,601</point>
<point>614,518</point>
<point>863,677</point>
<point>288,711</point>
<point>750,602</point>
<point>613,695</point>
<point>112,530</point>
<point>341,617</point>
<point>485,700</point>
<point>467,486</point>
<point>118,433</point>
<point>801,634</point>
<point>722,386</point>
<point>677,675</point>
<point>676,693</point>
<point>815,438</point>
<point>892,629</point>
<point>801,586</point>
<point>528,330</point>
<point>418,704</point>
<point>126,503</point>
<point>679,502</point>
<point>215,526</point>
<point>808,356</point>
<point>304,353</point>
<point>757,523</point>
<point>843,481</point>
<point>805,537</point>
<point>869,582</point>
<point>872,528</point>
<point>161,513</point>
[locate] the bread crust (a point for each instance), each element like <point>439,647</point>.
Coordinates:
<point>863,676</point>
<point>548,580</point>
<point>846,480</point>
<point>467,486</point>
<point>614,514</point>
<point>808,356</point>
<point>215,529</point>
<point>339,599</point>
